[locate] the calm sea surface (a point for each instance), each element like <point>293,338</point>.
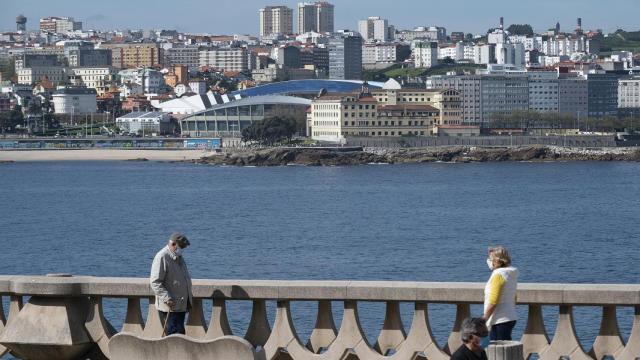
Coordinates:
<point>563,222</point>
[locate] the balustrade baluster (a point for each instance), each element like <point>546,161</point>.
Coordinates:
<point>15,305</point>
<point>98,327</point>
<point>153,328</point>
<point>463,311</point>
<point>133,322</point>
<point>609,342</point>
<point>632,350</point>
<point>283,336</point>
<point>565,341</point>
<point>324,332</point>
<point>3,321</point>
<point>535,338</point>
<point>219,324</point>
<point>392,334</point>
<point>420,338</point>
<point>196,324</point>
<point>259,328</point>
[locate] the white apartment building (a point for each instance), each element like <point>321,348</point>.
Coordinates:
<point>142,122</point>
<point>484,54</point>
<point>150,80</point>
<point>231,59</point>
<point>74,101</point>
<point>276,20</point>
<point>59,25</point>
<point>629,93</point>
<point>498,36</point>
<point>431,33</point>
<point>510,54</point>
<point>32,75</point>
<point>543,91</point>
<point>450,52</point>
<point>379,53</point>
<point>559,46</point>
<point>484,96</point>
<point>97,78</point>
<point>425,54</point>
<point>530,42</point>
<point>376,29</point>
<point>198,86</point>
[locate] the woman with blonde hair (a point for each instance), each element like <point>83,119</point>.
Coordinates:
<point>500,294</point>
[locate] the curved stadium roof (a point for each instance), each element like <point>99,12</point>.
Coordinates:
<point>304,87</point>
<point>259,100</point>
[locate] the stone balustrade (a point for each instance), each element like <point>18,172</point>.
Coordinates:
<point>64,319</point>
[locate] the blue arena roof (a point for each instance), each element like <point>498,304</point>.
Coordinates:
<point>304,87</point>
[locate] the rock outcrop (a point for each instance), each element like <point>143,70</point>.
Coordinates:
<point>340,157</point>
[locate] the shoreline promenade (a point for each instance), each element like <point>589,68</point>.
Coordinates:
<point>101,155</point>
<point>64,316</point>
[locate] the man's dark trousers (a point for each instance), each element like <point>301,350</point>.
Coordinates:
<point>175,323</point>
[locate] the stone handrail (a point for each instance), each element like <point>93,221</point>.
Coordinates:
<point>64,317</point>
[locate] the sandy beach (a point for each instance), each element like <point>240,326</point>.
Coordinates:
<point>101,155</point>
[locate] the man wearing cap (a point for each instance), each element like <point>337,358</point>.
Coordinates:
<point>171,283</point>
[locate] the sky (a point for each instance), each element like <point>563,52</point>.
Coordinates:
<point>241,16</point>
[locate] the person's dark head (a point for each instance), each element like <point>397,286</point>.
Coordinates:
<point>178,241</point>
<point>472,331</point>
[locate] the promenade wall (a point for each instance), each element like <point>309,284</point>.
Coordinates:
<point>62,317</point>
<point>501,141</point>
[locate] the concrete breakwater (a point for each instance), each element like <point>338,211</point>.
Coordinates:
<point>331,157</point>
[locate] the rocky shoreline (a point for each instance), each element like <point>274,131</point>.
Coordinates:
<point>329,157</point>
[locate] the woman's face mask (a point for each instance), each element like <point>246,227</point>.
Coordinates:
<point>490,264</point>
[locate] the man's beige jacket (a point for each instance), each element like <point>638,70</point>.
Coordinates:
<point>170,279</point>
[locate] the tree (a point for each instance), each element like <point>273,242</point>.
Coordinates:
<point>10,119</point>
<point>448,61</point>
<point>520,29</point>
<point>270,130</point>
<point>7,68</point>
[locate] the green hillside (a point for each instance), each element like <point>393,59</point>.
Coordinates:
<point>622,41</point>
<point>397,71</point>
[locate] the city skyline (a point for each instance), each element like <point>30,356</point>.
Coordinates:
<point>474,17</point>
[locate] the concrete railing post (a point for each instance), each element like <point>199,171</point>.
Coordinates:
<point>259,328</point>
<point>565,341</point>
<point>133,322</point>
<point>153,326</point>
<point>392,334</point>
<point>609,342</point>
<point>3,321</point>
<point>219,324</point>
<point>505,350</point>
<point>463,311</point>
<point>196,326</point>
<point>632,349</point>
<point>49,327</point>
<point>324,332</point>
<point>535,338</point>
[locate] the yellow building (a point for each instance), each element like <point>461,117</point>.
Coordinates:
<point>390,111</point>
<point>134,55</point>
<point>448,101</point>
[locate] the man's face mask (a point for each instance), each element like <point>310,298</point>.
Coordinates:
<point>484,342</point>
